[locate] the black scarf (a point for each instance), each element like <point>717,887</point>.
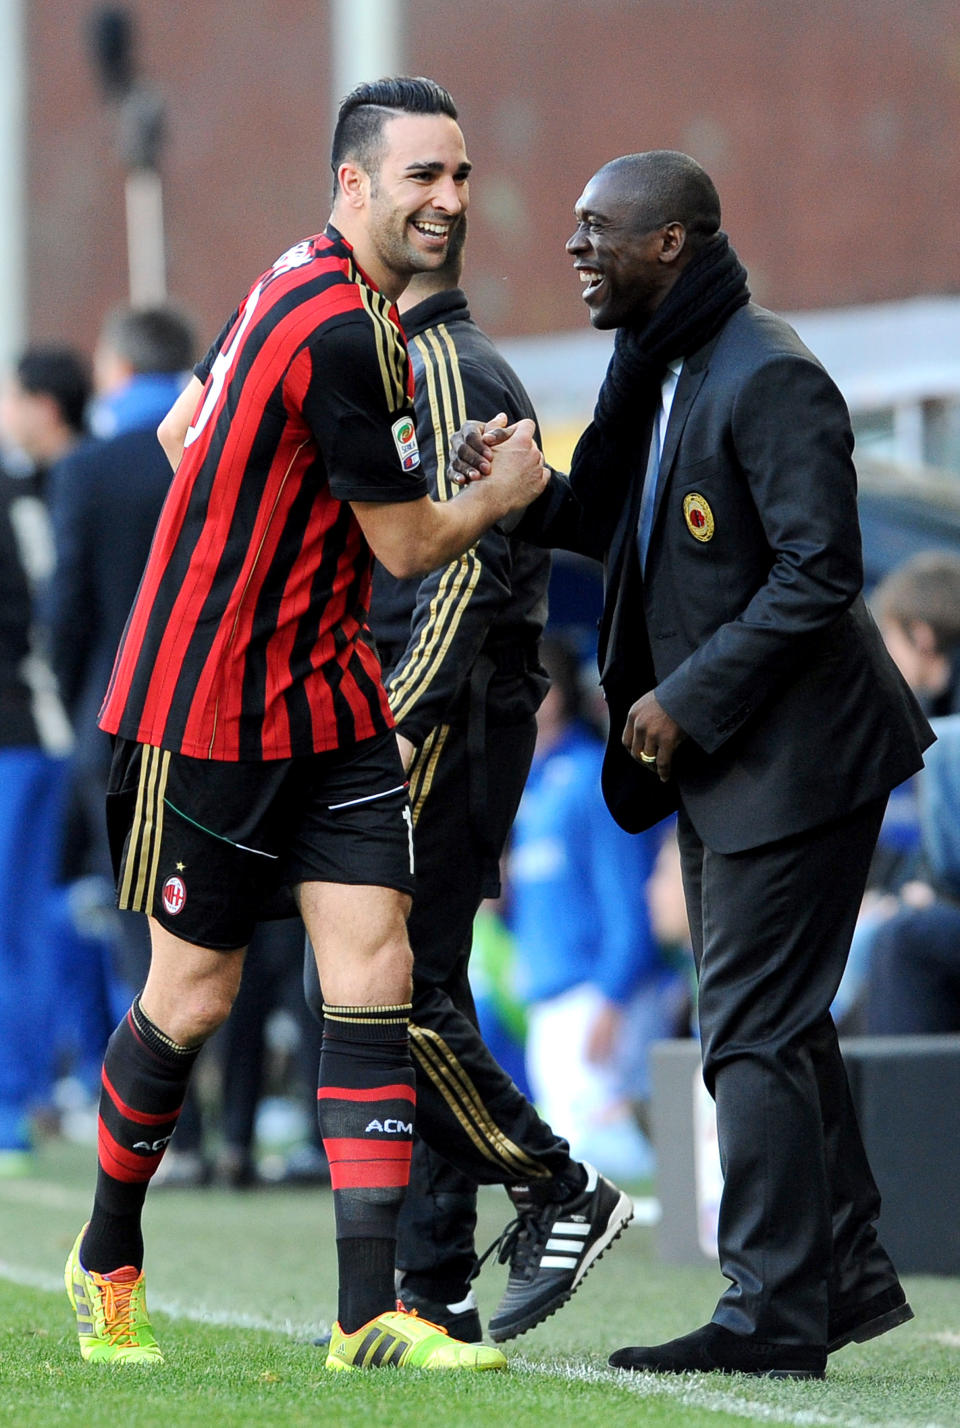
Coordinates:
<point>711,287</point>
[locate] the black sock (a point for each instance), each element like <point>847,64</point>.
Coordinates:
<point>365,1106</point>
<point>143,1084</point>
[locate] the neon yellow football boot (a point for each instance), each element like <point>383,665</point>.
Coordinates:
<point>111,1309</point>
<point>399,1340</point>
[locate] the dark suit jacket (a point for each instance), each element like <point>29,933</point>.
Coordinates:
<point>104,503</point>
<point>748,621</point>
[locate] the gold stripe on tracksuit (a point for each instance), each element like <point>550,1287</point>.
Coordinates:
<point>424,767</point>
<point>441,369</point>
<point>461,1095</point>
<point>139,882</point>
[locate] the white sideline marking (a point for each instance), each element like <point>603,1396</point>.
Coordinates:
<point>679,1388</point>
<point>693,1395</point>
<point>43,1192</point>
<point>174,1309</point>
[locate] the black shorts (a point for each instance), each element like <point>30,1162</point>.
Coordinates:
<point>209,848</point>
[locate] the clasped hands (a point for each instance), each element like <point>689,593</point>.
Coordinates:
<point>472,447</point>
<point>505,454</point>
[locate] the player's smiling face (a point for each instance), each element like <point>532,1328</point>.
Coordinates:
<point>419,192</point>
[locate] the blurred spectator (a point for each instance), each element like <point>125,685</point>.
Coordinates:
<point>917,608</point>
<point>105,497</point>
<point>588,966</point>
<point>30,787</point>
<point>43,401</point>
<point>105,501</point>
<point>914,982</point>
<point>43,404</point>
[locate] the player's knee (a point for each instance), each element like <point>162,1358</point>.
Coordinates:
<point>199,1013</point>
<point>396,965</point>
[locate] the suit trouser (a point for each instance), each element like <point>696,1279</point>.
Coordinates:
<point>771,929</point>
<point>473,1125</point>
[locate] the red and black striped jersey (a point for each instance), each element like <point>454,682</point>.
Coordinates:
<point>248,637</point>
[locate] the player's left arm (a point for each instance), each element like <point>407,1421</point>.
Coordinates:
<point>172,431</point>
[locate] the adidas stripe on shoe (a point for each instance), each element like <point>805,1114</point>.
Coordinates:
<point>400,1340</point>
<point>550,1247</point>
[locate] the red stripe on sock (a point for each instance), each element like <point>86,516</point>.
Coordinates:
<point>140,1118</point>
<point>372,1093</point>
<point>341,1148</point>
<point>123,1164</point>
<point>369,1174</point>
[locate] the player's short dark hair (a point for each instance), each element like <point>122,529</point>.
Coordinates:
<point>366,109</point>
<point>925,588</point>
<point>151,339</point>
<point>58,373</point>
<point>671,188</point>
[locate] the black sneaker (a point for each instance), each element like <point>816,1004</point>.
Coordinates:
<point>550,1246</point>
<point>461,1320</point>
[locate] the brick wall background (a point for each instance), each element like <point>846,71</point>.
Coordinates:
<point>832,129</point>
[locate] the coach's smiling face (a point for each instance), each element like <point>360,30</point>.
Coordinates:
<point>622,250</point>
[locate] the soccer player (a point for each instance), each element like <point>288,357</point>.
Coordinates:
<point>255,749</point>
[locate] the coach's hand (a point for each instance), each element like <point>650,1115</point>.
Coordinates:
<point>471,448</point>
<point>517,473</point>
<point>651,736</point>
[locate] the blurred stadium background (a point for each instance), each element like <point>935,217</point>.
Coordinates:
<point>176,149</point>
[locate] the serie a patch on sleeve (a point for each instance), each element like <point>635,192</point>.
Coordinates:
<point>404,435</point>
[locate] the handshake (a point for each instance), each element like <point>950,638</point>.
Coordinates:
<point>506,458</point>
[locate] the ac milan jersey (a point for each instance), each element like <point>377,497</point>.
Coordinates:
<point>248,636</point>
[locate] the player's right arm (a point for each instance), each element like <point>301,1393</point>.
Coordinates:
<point>351,384</point>
<point>415,537</point>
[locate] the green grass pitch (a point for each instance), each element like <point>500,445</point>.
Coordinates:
<point>239,1283</point>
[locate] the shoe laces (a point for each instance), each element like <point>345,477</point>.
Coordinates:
<point>415,1314</point>
<point>522,1241</point>
<point>118,1311</point>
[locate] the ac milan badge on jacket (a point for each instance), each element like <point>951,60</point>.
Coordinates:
<point>698,516</point>
<point>174,895</point>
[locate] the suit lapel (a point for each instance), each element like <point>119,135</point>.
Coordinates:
<point>622,565</point>
<point>690,381</point>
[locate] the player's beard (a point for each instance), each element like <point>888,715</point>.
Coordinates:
<point>397,243</point>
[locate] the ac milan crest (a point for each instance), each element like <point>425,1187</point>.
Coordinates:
<point>173,895</point>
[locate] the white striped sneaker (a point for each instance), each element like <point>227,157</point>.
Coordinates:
<point>550,1246</point>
